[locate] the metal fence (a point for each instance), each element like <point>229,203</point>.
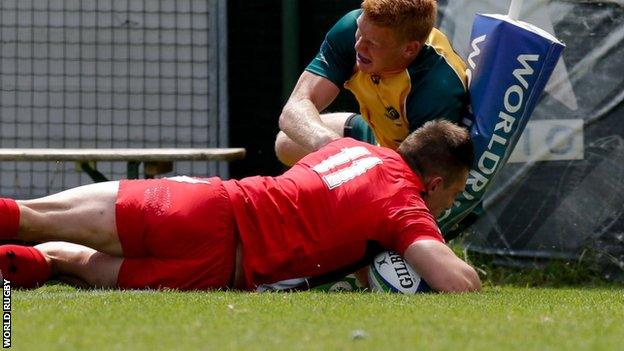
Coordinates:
<point>109,73</point>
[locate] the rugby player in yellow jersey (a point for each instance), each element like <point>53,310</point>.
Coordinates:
<point>402,71</point>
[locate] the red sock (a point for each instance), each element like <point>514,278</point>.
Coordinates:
<point>9,219</point>
<point>23,266</point>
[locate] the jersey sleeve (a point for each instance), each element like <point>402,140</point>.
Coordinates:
<point>412,224</point>
<point>336,58</point>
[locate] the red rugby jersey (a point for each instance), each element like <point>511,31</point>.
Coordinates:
<point>319,215</point>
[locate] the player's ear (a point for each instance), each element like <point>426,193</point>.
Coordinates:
<point>412,48</point>
<point>433,183</point>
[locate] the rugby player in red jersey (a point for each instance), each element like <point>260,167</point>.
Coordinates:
<point>329,213</point>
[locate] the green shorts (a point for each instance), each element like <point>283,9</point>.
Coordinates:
<point>356,128</point>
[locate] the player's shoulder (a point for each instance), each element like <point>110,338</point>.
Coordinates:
<point>336,58</point>
<point>349,20</point>
<point>438,79</point>
<point>347,141</point>
<point>343,31</point>
<point>438,62</point>
<point>348,149</point>
<point>350,142</point>
<point>341,37</point>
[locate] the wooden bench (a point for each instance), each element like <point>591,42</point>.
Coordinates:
<point>156,161</point>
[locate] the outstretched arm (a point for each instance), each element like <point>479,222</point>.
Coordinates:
<point>300,118</point>
<point>441,268</point>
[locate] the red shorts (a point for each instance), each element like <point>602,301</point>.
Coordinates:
<point>175,233</point>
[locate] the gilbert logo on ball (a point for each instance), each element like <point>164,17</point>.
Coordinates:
<point>390,273</point>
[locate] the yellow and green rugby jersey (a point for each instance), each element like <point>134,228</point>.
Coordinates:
<point>433,86</point>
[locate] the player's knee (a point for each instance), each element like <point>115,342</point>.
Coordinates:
<point>61,255</point>
<point>102,270</point>
<point>284,149</point>
<point>336,121</point>
<point>279,147</point>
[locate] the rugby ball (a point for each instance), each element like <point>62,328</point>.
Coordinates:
<point>389,272</point>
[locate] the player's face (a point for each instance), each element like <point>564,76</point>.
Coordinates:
<point>441,197</point>
<point>377,49</point>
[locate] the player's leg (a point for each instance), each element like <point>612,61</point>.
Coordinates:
<point>29,267</point>
<point>84,215</point>
<point>80,265</point>
<point>356,127</point>
<point>289,152</point>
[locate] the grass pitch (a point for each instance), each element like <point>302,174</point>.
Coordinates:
<point>499,318</point>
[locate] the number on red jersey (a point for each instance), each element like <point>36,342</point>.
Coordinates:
<point>360,163</point>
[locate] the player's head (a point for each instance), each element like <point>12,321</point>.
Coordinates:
<point>391,32</point>
<point>442,154</point>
